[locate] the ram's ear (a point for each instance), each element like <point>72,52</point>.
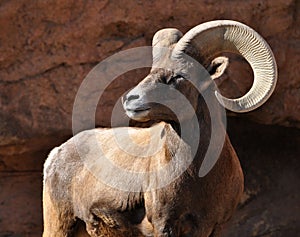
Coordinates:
<point>218,67</point>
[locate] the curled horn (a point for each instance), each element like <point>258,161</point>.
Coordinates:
<point>215,37</point>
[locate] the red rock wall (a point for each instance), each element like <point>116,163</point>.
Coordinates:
<point>48,47</point>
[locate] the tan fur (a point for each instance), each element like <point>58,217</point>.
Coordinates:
<point>71,191</point>
<point>82,177</point>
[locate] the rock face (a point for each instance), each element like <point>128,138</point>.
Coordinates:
<point>271,202</point>
<point>48,47</point>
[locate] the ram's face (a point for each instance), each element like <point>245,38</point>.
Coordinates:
<point>164,95</point>
<point>171,90</point>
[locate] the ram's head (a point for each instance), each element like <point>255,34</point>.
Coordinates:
<point>175,74</point>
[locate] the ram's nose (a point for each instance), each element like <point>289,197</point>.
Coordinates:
<point>129,97</point>
<point>136,106</point>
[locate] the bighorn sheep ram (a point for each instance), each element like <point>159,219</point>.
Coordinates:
<point>75,194</point>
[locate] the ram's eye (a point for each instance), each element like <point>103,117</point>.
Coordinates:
<point>174,79</point>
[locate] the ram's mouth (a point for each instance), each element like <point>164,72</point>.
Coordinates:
<point>139,114</point>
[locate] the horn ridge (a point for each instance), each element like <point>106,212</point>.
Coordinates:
<point>215,37</point>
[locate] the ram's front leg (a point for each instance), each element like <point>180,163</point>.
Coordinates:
<point>57,222</point>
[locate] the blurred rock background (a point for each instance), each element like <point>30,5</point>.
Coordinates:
<point>48,47</point>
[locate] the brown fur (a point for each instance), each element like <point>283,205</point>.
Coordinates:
<point>71,192</point>
<point>188,206</point>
